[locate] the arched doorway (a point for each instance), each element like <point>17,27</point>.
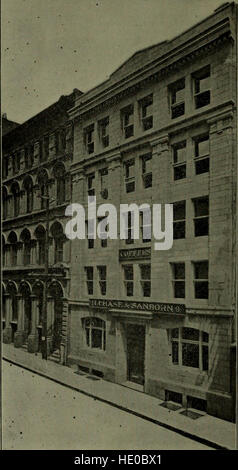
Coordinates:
<point>56,294</point>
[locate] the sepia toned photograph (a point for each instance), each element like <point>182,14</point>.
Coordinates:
<point>119,227</point>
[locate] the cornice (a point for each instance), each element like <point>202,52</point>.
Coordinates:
<point>203,43</point>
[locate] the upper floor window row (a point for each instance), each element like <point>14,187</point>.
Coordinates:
<point>24,158</point>
<point>100,133</point>
<point>200,85</point>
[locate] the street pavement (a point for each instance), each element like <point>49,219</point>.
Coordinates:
<point>41,414</point>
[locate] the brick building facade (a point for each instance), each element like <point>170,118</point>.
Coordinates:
<point>161,129</point>
<point>36,162</point>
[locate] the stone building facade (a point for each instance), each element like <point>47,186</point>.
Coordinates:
<point>36,162</point>
<point>161,129</point>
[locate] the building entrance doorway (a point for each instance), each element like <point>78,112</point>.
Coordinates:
<point>136,353</point>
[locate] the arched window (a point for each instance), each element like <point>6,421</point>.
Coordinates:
<point>190,348</point>
<point>28,186</point>
<point>43,183</point>
<point>12,239</point>
<point>5,202</point>
<point>40,236</point>
<point>59,174</point>
<point>95,330</point>
<point>16,198</point>
<point>59,239</point>
<point>26,239</point>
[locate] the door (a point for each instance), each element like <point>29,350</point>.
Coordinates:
<point>57,324</point>
<point>135,353</point>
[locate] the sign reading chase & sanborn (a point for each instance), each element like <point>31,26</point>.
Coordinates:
<point>158,307</point>
<point>134,253</point>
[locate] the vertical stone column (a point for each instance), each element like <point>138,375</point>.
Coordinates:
<point>50,324</point>
<point>19,336</point>
<point>7,332</point>
<point>33,336</point>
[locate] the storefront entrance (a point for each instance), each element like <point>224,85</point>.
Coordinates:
<point>135,353</point>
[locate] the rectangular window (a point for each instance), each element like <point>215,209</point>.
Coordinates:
<point>89,279</point>
<point>104,183</point>
<point>146,109</point>
<point>145,225</point>
<point>201,159</point>
<point>177,98</point>
<point>145,270</point>
<point>201,280</point>
<point>179,280</point>
<point>95,330</point>
<point>179,215</point>
<point>129,166</point>
<point>90,232</point>
<point>201,216</point>
<point>190,348</point>
<point>129,279</point>
<point>179,160</point>
<point>130,235</point>
<point>102,273</point>
<point>103,127</point>
<point>91,183</point>
<point>147,170</point>
<point>202,94</point>
<point>127,120</point>
<point>89,139</point>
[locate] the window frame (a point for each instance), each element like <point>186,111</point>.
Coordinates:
<point>128,281</point>
<point>90,328</point>
<point>89,139</point>
<point>178,280</point>
<point>146,120</point>
<point>145,281</point>
<point>89,282</point>
<point>197,218</point>
<point>127,126</point>
<point>200,342</point>
<point>200,280</point>
<point>177,164</point>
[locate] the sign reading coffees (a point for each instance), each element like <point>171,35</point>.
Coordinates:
<point>134,253</point>
<point>156,307</point>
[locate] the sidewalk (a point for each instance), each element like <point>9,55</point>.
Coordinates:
<point>206,429</point>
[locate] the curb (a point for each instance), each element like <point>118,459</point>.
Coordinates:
<point>169,427</point>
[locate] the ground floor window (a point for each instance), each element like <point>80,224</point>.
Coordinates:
<point>190,348</point>
<point>95,330</point>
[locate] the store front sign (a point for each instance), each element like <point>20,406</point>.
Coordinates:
<point>134,253</point>
<point>154,307</point>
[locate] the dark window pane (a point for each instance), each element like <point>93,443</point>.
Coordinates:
<point>179,210</point>
<point>179,271</point>
<point>201,227</point>
<point>190,333</point>
<point>201,206</point>
<point>175,333</point>
<point>205,337</point>
<point>129,289</point>
<point>179,172</point>
<point>203,99</point>
<point>179,230</point>
<point>202,166</point>
<point>97,339</point>
<point>179,289</point>
<point>146,289</point>
<point>175,352</point>
<point>178,110</point>
<point>190,355</point>
<point>201,270</point>
<point>201,290</point>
